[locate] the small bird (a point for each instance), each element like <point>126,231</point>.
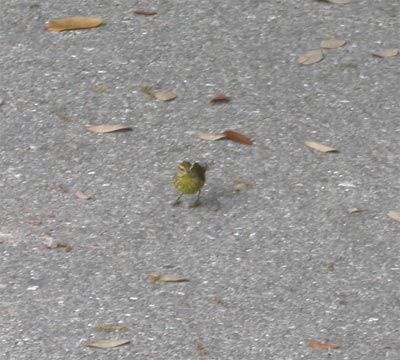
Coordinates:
<point>189,180</point>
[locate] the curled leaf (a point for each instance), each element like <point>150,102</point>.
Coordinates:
<point>237,137</point>
<point>82,196</point>
<point>166,278</point>
<point>339,2</point>
<point>311,57</point>
<point>332,43</point>
<point>144,12</point>
<point>387,53</point>
<point>108,344</point>
<point>211,137</point>
<point>219,98</point>
<point>319,147</point>
<point>74,23</point>
<point>102,129</point>
<point>320,346</point>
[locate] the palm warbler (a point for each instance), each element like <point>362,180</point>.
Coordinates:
<point>190,180</point>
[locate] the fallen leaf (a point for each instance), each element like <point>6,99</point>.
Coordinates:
<point>332,43</point>
<point>221,302</point>
<point>387,53</point>
<point>74,23</point>
<point>311,57</point>
<point>108,344</point>
<point>394,215</point>
<point>102,129</point>
<point>339,2</point>
<point>166,278</point>
<point>320,346</point>
<point>347,65</point>
<point>144,12</point>
<point>82,196</point>
<point>62,189</point>
<point>211,137</point>
<point>62,117</point>
<point>32,221</point>
<point>99,89</point>
<point>110,329</point>
<point>319,147</point>
<point>354,210</point>
<point>330,267</point>
<point>165,95</point>
<point>50,243</point>
<point>200,348</point>
<point>64,245</point>
<point>237,137</point>
<point>219,98</point>
<point>240,186</point>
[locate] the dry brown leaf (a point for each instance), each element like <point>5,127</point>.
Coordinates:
<point>387,53</point>
<point>332,43</point>
<point>74,23</point>
<point>203,351</point>
<point>82,196</point>
<point>330,267</point>
<point>165,95</point>
<point>108,344</point>
<point>320,346</point>
<point>144,12</point>
<point>394,215</point>
<point>166,278</point>
<point>319,147</point>
<point>102,129</point>
<point>221,302</point>
<point>339,2</point>
<point>237,137</point>
<point>32,221</point>
<point>354,210</point>
<point>219,98</point>
<point>311,57</point>
<point>211,137</point>
<point>62,189</point>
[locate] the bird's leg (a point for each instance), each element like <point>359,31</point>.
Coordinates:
<point>197,202</point>
<point>178,200</point>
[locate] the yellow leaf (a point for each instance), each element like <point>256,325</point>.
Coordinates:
<point>102,129</point>
<point>108,344</point>
<point>74,23</point>
<point>311,57</point>
<point>319,147</point>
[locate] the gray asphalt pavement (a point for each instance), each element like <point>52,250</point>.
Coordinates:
<point>273,268</point>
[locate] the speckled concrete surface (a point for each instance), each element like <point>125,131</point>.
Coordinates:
<point>258,260</point>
